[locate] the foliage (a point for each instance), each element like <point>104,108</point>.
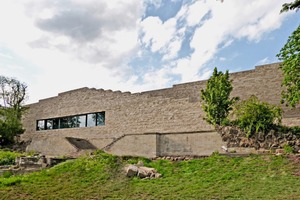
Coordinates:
<point>288,149</point>
<point>290,6</point>
<point>295,130</point>
<point>290,56</point>
<point>12,96</point>
<point>214,177</point>
<point>216,101</point>
<point>254,116</point>
<point>10,126</point>
<point>8,157</point>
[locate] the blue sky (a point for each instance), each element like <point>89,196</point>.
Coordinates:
<point>135,45</point>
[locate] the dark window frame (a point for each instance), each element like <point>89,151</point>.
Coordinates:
<point>68,120</point>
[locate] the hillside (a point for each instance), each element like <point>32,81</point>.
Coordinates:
<point>217,177</point>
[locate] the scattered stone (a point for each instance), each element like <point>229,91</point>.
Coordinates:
<point>27,164</point>
<point>279,151</point>
<point>131,170</point>
<point>224,148</point>
<point>141,171</point>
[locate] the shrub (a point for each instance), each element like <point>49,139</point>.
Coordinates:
<point>288,149</point>
<point>8,158</point>
<point>254,116</point>
<point>216,101</point>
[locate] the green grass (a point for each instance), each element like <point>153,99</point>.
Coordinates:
<point>215,177</point>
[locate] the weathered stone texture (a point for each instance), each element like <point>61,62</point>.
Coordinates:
<point>171,110</point>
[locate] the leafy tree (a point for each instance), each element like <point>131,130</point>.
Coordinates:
<point>254,116</point>
<point>216,98</point>
<point>290,6</point>
<point>12,96</point>
<point>290,57</point>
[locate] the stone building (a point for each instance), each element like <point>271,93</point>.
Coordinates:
<point>166,122</point>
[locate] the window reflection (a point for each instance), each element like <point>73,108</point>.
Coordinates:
<point>63,123</point>
<point>84,120</point>
<point>40,125</point>
<point>55,123</point>
<point>81,121</point>
<point>100,119</point>
<point>91,120</point>
<point>49,124</point>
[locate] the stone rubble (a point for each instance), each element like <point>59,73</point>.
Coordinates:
<point>235,137</point>
<point>27,164</point>
<point>139,170</point>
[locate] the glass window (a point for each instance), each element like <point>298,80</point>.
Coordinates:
<point>49,124</point>
<point>82,121</point>
<point>63,122</point>
<point>73,122</point>
<point>100,118</point>
<point>56,123</point>
<point>91,120</point>
<point>85,120</point>
<point>40,125</point>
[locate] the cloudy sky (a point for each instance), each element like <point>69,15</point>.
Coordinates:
<point>135,45</point>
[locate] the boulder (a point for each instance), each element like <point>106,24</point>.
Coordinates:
<point>131,170</point>
<point>141,171</point>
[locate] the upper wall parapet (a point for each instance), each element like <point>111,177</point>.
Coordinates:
<point>182,90</point>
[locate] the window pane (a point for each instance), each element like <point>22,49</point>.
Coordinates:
<point>49,124</point>
<point>40,125</point>
<point>100,118</point>
<point>73,122</point>
<point>81,120</point>
<point>55,123</point>
<point>63,122</point>
<point>91,120</point>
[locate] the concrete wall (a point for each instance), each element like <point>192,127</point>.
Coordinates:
<point>135,145</point>
<point>182,144</point>
<point>171,110</point>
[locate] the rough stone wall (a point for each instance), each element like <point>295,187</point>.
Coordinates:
<point>171,110</point>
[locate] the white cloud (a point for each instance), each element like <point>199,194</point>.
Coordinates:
<point>228,21</point>
<point>196,12</point>
<point>69,44</point>
<point>157,34</point>
<point>61,45</point>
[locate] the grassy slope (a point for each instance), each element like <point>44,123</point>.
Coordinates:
<point>216,177</point>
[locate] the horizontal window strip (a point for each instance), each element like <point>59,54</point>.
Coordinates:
<point>75,121</point>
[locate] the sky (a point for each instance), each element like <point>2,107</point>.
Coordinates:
<point>59,45</point>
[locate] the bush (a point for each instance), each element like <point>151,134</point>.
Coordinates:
<point>288,149</point>
<point>10,126</point>
<point>254,116</point>
<point>8,157</point>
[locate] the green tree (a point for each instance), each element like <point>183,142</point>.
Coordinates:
<point>216,98</point>
<point>290,6</point>
<point>290,57</point>
<point>254,116</point>
<point>12,97</point>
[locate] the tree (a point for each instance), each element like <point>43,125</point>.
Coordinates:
<point>290,57</point>
<point>290,6</point>
<point>216,98</point>
<point>12,97</point>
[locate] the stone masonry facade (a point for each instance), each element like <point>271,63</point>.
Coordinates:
<point>166,122</point>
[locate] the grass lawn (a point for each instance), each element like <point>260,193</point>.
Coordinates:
<point>215,177</point>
